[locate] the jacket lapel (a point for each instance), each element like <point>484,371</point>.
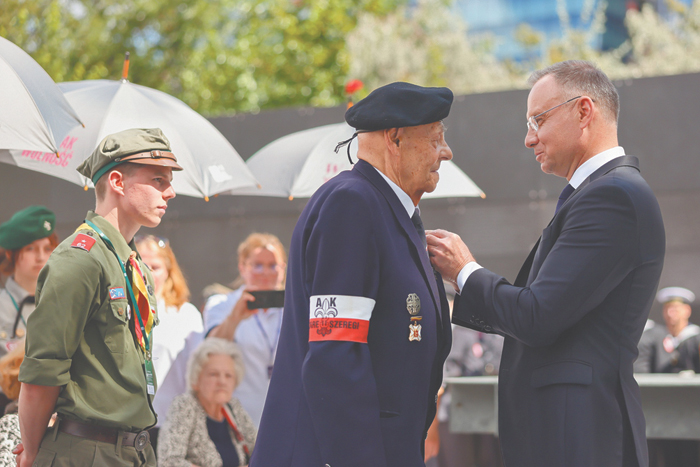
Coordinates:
<point>401,215</point>
<point>622,161</point>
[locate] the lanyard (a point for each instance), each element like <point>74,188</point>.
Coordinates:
<point>271,345</point>
<point>228,415</point>
<point>134,303</point>
<point>19,313</point>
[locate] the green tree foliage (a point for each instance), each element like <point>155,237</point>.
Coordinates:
<point>656,46</point>
<point>427,44</point>
<point>225,56</point>
<point>219,56</point>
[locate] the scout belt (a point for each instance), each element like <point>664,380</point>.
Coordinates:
<point>104,434</point>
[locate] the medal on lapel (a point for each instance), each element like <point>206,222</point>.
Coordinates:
<point>414,329</point>
<point>413,307</point>
<point>413,304</point>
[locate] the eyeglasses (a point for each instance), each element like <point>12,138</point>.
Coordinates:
<point>532,121</point>
<point>162,242</point>
<point>259,268</point>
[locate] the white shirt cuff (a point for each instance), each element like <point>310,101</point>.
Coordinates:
<point>464,274</point>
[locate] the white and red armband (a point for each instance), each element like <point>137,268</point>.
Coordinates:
<point>339,318</point>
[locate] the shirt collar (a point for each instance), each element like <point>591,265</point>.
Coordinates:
<point>123,249</point>
<point>406,201</point>
<point>15,290</point>
<point>593,164</point>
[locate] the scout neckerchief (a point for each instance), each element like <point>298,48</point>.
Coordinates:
<point>136,286</point>
<point>228,415</point>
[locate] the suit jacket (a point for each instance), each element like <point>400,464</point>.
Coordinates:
<point>349,388</point>
<point>572,321</point>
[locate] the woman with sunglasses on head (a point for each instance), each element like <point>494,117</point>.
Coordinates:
<point>177,318</point>
<point>261,264</point>
<point>26,242</point>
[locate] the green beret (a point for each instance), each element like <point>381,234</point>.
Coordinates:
<point>147,146</point>
<point>26,226</point>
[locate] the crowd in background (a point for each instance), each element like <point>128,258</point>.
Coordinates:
<point>213,367</point>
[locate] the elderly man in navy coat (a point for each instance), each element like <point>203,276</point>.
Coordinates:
<point>574,316</point>
<point>366,323</point>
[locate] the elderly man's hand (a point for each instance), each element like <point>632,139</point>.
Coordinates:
<point>448,254</point>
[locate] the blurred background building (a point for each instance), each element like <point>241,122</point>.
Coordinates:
<point>502,19</point>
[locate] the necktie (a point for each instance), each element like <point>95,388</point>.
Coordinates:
<point>565,193</point>
<point>418,224</point>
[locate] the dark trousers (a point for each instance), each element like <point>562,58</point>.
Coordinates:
<point>467,450</point>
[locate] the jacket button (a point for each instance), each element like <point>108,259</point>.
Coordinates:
<point>120,311</point>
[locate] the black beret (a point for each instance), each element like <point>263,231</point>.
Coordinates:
<point>399,105</point>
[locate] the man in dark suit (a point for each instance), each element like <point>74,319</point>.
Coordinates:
<point>366,322</point>
<point>574,316</point>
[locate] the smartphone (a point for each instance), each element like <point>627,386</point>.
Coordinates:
<point>266,299</point>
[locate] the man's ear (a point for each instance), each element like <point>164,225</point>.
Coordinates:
<point>585,111</point>
<point>115,181</point>
<point>392,139</point>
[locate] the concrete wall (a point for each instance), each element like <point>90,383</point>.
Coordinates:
<point>657,123</point>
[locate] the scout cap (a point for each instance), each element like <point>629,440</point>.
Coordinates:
<point>147,146</point>
<point>398,105</point>
<point>680,294</point>
<point>24,227</point>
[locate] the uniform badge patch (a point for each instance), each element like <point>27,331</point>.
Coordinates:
<point>116,293</point>
<point>83,242</point>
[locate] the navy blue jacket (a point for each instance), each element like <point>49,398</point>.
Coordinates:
<point>572,321</point>
<point>349,388</point>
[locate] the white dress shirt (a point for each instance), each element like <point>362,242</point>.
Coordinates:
<point>406,200</point>
<point>583,172</point>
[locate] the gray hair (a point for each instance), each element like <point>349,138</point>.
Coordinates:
<point>213,346</point>
<point>580,77</point>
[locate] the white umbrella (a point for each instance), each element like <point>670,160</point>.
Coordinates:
<point>211,165</point>
<point>34,114</point>
<point>296,165</point>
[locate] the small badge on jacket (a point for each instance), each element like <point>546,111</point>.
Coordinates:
<point>116,293</point>
<point>83,242</point>
<point>413,304</point>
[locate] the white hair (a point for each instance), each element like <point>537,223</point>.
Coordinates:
<point>213,346</point>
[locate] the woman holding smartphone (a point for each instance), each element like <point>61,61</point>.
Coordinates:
<point>261,264</point>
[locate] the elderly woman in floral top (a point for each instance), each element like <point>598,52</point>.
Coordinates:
<point>208,427</point>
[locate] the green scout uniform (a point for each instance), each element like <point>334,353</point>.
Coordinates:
<point>82,335</point>
<point>81,339</point>
<point>16,304</point>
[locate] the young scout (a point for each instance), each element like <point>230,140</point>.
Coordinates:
<point>89,339</point>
